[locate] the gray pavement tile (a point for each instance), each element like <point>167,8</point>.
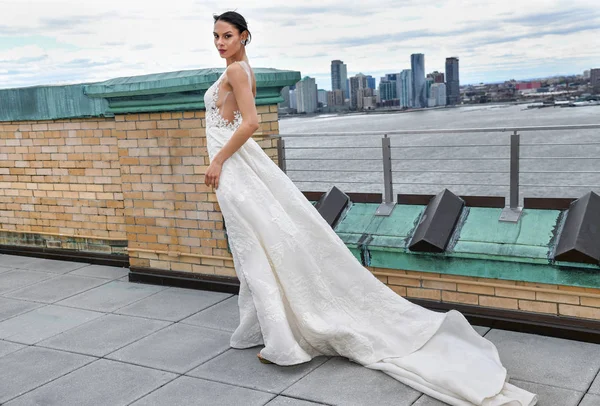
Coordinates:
<point>31,367</point>
<point>42,323</point>
<point>173,304</point>
<point>102,382</point>
<point>185,391</point>
<point>55,289</point>
<point>11,307</point>
<point>286,401</point>
<point>242,368</point>
<point>481,330</point>
<point>590,400</point>
<point>52,265</point>
<point>222,316</point>
<point>425,400</point>
<point>104,335</point>
<point>550,395</point>
<point>177,348</point>
<point>111,296</point>
<point>102,271</point>
<point>547,360</point>
<point>7,348</point>
<point>4,269</point>
<point>19,278</point>
<point>16,261</point>
<point>341,382</point>
<point>595,389</point>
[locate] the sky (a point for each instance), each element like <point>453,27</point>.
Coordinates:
<point>44,42</point>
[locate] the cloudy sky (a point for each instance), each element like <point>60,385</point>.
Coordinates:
<point>74,41</point>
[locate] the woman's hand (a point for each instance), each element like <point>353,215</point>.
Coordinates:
<point>213,173</point>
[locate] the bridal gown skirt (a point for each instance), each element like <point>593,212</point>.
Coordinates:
<point>303,294</point>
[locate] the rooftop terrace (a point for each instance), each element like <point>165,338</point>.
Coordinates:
<point>73,333</point>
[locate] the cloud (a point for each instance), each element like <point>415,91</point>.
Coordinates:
<point>546,18</point>
<point>142,47</point>
<point>89,41</point>
<point>491,40</point>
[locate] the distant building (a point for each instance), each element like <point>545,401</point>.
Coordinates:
<point>387,88</point>
<point>586,74</point>
<point>357,84</point>
<point>322,97</point>
<point>365,99</point>
<point>335,98</point>
<point>595,77</point>
<point>417,63</point>
<point>285,94</point>
<point>528,87</point>
<point>438,77</point>
<point>339,77</point>
<point>371,82</point>
<point>438,94</point>
<point>306,95</point>
<point>452,81</point>
<point>293,99</point>
<point>405,88</point>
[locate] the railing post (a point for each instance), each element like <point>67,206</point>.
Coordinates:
<point>513,211</point>
<point>388,201</point>
<point>281,153</point>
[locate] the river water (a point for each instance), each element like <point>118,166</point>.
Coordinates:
<point>564,163</point>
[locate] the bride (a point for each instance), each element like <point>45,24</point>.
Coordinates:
<point>302,292</point>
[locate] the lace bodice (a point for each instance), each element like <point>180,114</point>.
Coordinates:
<point>214,117</point>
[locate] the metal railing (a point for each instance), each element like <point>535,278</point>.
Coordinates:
<point>307,152</point>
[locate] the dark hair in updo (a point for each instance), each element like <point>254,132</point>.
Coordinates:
<point>237,20</point>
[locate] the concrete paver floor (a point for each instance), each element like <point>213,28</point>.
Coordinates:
<point>79,334</point>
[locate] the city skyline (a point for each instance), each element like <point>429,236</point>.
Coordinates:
<point>47,42</point>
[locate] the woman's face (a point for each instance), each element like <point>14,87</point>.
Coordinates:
<point>228,40</point>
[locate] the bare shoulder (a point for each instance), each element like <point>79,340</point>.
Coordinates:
<point>238,75</point>
<point>236,70</point>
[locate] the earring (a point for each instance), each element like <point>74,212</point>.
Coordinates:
<point>243,42</point>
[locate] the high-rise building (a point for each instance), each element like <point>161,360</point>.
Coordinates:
<point>371,82</point>
<point>405,88</point>
<point>335,98</point>
<point>595,77</point>
<point>428,84</point>
<point>339,76</point>
<point>387,89</point>
<point>452,81</point>
<point>438,94</point>
<point>322,97</point>
<point>586,74</point>
<point>306,95</point>
<point>438,77</point>
<point>417,64</point>
<point>357,83</point>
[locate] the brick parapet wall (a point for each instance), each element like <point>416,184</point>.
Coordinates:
<point>61,177</point>
<point>558,300</point>
<point>92,184</point>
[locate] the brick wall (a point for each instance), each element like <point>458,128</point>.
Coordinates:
<point>494,293</point>
<point>138,179</point>
<point>58,179</point>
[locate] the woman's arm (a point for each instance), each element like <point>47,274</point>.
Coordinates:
<point>242,90</point>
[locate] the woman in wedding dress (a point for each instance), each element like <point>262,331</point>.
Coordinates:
<point>302,292</point>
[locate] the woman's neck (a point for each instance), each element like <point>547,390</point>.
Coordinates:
<point>240,56</point>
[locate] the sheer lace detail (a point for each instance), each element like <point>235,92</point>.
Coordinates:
<point>214,116</point>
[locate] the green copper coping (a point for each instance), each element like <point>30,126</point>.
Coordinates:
<point>482,246</point>
<point>171,91</point>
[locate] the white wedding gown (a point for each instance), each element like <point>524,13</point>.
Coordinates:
<point>303,293</point>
